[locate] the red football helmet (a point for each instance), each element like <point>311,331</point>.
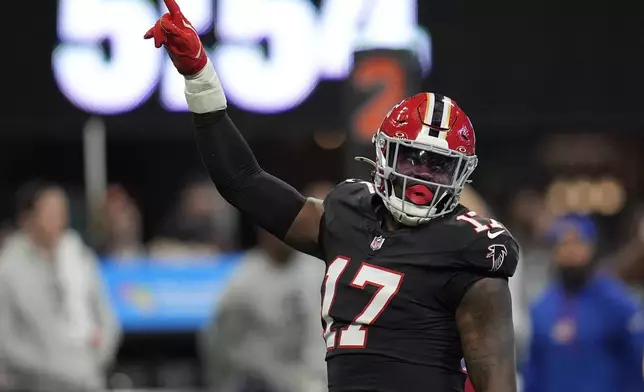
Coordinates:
<point>425,153</point>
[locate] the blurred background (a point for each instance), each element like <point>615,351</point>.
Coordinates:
<point>96,137</point>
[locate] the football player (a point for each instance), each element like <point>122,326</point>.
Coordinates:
<point>414,280</point>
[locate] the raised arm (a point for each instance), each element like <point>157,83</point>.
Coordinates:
<point>484,320</point>
<point>271,203</point>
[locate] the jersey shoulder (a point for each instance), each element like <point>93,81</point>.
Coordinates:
<point>349,196</point>
<point>485,244</point>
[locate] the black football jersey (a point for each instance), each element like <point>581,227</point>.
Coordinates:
<point>389,298</point>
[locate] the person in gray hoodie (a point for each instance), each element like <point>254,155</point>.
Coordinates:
<point>57,328</point>
<point>266,334</point>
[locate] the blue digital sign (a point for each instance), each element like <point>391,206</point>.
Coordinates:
<point>149,295</point>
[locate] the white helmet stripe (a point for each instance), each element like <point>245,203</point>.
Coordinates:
<point>429,111</point>
<point>447,111</point>
<point>426,131</point>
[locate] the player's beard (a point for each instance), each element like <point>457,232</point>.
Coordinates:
<point>574,278</point>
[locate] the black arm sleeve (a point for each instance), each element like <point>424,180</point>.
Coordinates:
<point>269,201</point>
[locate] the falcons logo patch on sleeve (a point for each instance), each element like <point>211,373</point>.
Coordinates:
<point>497,253</point>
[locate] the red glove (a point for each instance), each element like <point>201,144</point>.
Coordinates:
<point>180,40</point>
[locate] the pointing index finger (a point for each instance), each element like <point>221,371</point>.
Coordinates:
<point>173,7</point>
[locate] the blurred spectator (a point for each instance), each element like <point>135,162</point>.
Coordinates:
<point>121,226</point>
<point>57,329</point>
<point>530,222</point>
<point>6,228</point>
<point>266,335</point>
<point>203,223</point>
<point>587,333</point>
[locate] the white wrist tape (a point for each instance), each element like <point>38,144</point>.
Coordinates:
<point>204,92</point>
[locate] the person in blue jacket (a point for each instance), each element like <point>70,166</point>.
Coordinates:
<point>587,330</point>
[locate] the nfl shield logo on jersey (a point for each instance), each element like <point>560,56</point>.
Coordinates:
<point>377,242</point>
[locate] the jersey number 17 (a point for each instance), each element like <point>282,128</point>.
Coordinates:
<point>354,335</point>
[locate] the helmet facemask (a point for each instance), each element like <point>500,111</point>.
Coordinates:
<point>417,181</point>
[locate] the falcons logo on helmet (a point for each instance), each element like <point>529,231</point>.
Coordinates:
<point>497,253</point>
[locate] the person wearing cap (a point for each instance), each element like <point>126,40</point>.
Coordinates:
<point>587,330</point>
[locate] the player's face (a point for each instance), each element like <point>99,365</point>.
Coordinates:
<point>425,166</point>
<point>572,251</point>
<point>49,219</point>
